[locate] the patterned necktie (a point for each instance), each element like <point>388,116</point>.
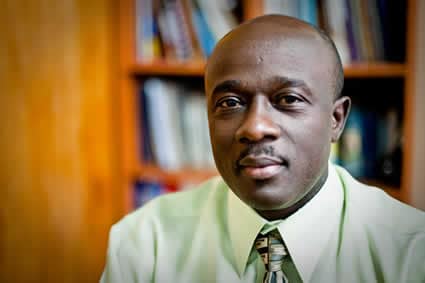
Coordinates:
<point>272,252</point>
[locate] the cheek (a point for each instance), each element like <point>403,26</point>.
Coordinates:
<point>222,132</point>
<point>314,136</point>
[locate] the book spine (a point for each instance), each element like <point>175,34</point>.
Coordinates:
<point>202,30</point>
<point>308,11</point>
<point>352,42</point>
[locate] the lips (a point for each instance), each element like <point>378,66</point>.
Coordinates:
<point>261,167</point>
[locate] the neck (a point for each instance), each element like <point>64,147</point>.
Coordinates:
<point>288,211</point>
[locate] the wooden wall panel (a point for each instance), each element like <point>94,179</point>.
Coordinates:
<point>418,152</point>
<point>59,168</point>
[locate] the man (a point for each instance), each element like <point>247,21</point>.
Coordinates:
<point>279,212</point>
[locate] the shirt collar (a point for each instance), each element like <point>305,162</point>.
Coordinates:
<point>305,233</point>
<point>244,226</point>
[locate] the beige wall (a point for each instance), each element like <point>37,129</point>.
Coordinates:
<point>418,196</point>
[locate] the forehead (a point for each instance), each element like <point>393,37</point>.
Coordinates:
<point>255,57</point>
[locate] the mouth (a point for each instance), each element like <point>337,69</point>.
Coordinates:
<point>261,167</point>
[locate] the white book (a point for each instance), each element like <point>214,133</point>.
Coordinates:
<point>282,7</point>
<point>336,11</point>
<point>174,97</point>
<point>161,123</point>
<point>218,16</point>
<point>207,158</point>
<point>193,136</point>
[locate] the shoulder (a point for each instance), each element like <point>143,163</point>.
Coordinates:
<point>135,240</point>
<point>392,232</point>
<point>374,207</point>
<point>169,208</point>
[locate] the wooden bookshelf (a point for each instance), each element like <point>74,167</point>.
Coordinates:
<point>164,68</point>
<point>131,70</point>
<point>196,68</point>
<point>393,191</point>
<point>375,70</point>
<point>183,175</point>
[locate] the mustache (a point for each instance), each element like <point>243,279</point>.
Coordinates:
<point>258,149</point>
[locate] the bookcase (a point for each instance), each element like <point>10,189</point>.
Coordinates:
<point>386,84</point>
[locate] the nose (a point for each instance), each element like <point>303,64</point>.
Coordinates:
<point>259,122</point>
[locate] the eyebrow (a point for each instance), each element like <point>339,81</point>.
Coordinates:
<point>278,82</point>
<point>226,86</point>
<point>285,82</point>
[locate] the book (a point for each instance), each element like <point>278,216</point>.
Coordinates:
<point>146,153</point>
<point>188,10</point>
<point>174,30</point>
<point>362,142</point>
<point>148,45</point>
<point>146,190</point>
<point>376,30</point>
<point>192,130</point>
<point>177,126</point>
<point>283,7</point>
<point>352,151</point>
<point>389,147</point>
<point>218,16</point>
<point>202,30</point>
<point>335,13</point>
<point>366,30</point>
<point>393,16</point>
<point>307,11</point>
<point>163,125</point>
<point>351,35</point>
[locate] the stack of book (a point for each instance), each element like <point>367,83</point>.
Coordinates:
<point>145,190</point>
<point>306,10</point>
<point>370,146</point>
<point>180,29</point>
<point>363,30</point>
<point>174,126</point>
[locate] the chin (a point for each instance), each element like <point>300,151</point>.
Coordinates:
<point>266,198</point>
<point>265,206</point>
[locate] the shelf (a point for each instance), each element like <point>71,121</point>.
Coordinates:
<point>196,68</point>
<point>391,190</point>
<point>374,70</point>
<point>181,176</point>
<point>174,68</point>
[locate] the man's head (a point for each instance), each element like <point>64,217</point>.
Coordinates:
<point>272,87</point>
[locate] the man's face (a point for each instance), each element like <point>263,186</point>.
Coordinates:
<point>270,111</point>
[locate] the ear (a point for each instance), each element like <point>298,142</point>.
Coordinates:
<point>341,109</point>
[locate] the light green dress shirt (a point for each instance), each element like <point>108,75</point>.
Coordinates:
<point>348,232</point>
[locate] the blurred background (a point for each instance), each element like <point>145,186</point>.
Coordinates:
<point>102,109</point>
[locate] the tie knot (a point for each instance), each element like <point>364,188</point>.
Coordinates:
<point>271,249</point>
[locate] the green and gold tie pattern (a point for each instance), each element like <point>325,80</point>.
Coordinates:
<point>272,251</point>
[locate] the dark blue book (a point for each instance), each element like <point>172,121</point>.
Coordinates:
<point>393,15</point>
<point>352,150</point>
<point>360,143</point>
<point>370,143</point>
<point>352,43</point>
<point>145,191</point>
<point>146,154</point>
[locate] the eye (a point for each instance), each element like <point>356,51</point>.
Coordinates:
<point>287,99</point>
<point>229,103</point>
